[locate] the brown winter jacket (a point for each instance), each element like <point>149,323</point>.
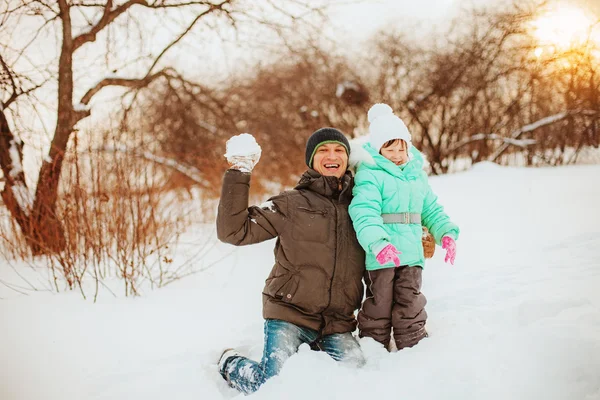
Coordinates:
<point>316,281</point>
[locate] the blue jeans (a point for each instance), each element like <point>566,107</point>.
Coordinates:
<point>282,340</point>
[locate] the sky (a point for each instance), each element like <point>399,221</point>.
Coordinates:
<point>355,22</point>
<point>363,19</point>
<point>516,317</point>
<point>350,23</point>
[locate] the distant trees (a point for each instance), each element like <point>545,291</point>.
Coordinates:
<point>484,88</point>
<point>280,103</point>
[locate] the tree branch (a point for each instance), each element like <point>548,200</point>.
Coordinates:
<point>536,125</point>
<point>212,8</point>
<point>108,16</point>
<point>490,136</point>
<point>124,82</point>
<point>11,78</point>
<point>191,172</point>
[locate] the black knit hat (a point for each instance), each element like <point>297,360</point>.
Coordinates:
<point>323,136</point>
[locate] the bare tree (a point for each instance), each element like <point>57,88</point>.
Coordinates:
<point>77,26</point>
<point>15,195</point>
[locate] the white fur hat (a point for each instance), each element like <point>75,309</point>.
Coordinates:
<point>385,126</point>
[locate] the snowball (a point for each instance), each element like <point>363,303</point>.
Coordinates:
<point>378,110</point>
<point>242,145</point>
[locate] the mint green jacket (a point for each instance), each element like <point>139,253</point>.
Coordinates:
<point>381,187</point>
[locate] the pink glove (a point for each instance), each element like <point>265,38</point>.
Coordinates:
<point>450,246</point>
<point>387,254</point>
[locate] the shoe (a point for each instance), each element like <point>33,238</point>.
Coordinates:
<point>225,356</point>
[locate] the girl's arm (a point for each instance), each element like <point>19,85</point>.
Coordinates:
<point>365,211</point>
<point>436,220</point>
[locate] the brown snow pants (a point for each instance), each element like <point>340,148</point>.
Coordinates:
<point>394,299</point>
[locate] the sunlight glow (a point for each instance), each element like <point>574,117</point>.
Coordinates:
<point>563,27</point>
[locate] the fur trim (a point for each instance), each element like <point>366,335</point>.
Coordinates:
<point>358,154</point>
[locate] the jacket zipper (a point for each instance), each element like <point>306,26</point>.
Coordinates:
<point>334,264</point>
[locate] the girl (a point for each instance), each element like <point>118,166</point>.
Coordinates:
<point>392,201</point>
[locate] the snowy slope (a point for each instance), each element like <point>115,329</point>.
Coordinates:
<point>517,316</point>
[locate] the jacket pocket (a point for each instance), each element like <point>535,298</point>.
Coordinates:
<point>282,287</point>
<point>311,225</point>
<point>313,290</point>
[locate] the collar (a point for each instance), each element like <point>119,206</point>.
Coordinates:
<point>327,186</point>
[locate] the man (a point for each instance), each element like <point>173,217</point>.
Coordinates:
<point>316,283</point>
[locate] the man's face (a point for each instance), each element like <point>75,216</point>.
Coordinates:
<point>331,159</point>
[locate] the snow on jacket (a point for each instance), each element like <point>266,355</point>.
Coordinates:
<point>316,281</point>
<point>382,187</point>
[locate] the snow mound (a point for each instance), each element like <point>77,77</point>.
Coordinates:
<point>485,166</point>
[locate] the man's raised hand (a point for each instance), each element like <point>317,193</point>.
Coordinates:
<point>242,152</point>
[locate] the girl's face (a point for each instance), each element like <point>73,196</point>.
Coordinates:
<point>396,151</point>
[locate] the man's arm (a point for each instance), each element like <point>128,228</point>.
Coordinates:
<point>239,224</point>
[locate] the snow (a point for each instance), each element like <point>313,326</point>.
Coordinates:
<point>209,127</point>
<point>493,136</point>
<point>243,144</point>
<point>15,159</point>
<point>21,193</point>
<point>544,121</point>
<point>517,316</point>
<point>79,107</point>
<point>23,197</point>
<point>530,128</point>
<point>345,85</point>
<point>191,172</point>
<point>268,205</point>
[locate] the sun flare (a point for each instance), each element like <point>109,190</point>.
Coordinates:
<point>563,27</point>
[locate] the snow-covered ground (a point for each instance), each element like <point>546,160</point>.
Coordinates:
<point>517,316</point>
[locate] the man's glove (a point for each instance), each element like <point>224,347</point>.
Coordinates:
<point>450,246</point>
<point>243,152</point>
<point>387,254</point>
